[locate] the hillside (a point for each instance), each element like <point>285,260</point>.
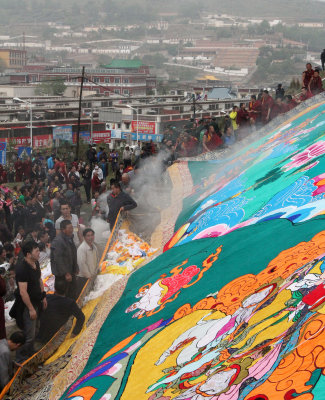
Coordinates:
<point>135,11</point>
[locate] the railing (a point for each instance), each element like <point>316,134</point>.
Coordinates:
<point>30,366</point>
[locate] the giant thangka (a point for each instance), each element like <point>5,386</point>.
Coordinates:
<point>234,308</point>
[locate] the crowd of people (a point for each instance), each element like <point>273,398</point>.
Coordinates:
<point>209,135</point>
<point>41,223</point>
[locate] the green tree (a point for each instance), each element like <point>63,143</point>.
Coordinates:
<point>55,87</point>
<point>173,50</point>
<point>264,28</point>
<point>104,59</point>
<point>156,60</point>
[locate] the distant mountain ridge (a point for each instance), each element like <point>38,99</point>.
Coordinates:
<point>86,12</point>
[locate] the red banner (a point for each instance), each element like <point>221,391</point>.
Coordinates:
<point>102,136</point>
<point>144,127</point>
<point>98,137</point>
<point>39,141</point>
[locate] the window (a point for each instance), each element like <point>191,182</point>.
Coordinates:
<point>117,91</point>
<point>127,125</point>
<point>126,80</point>
<point>96,80</point>
<point>117,80</point>
<point>126,91</point>
<point>106,80</point>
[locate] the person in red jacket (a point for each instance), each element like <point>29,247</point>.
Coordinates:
<point>315,84</point>
<point>95,182</point>
<point>307,75</point>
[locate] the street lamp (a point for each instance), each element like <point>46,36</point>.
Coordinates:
<point>17,99</point>
<point>134,109</point>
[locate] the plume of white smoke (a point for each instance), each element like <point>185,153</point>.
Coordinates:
<point>150,188</point>
<point>102,232</point>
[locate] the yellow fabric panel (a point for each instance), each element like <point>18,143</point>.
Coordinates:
<point>144,371</point>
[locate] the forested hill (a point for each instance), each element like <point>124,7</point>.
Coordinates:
<point>92,12</point>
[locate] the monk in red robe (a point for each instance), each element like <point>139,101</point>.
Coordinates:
<point>255,107</point>
<point>278,108</point>
<point>19,170</point>
<point>242,116</point>
<point>289,102</point>
<point>27,167</point>
<point>190,145</point>
<point>211,140</point>
<point>305,95</point>
<point>315,84</point>
<point>266,107</point>
<point>307,75</point>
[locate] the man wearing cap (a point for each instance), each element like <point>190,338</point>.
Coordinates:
<point>55,203</point>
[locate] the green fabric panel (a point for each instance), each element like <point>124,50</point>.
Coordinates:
<point>235,259</point>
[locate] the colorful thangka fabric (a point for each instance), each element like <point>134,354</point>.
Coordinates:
<point>235,306</point>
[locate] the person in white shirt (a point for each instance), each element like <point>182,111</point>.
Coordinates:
<point>87,255</point>
<point>127,156</point>
<point>99,173</point>
<point>66,215</point>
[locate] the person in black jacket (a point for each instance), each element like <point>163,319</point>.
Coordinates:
<point>279,93</point>
<point>86,175</point>
<point>59,310</point>
<point>118,201</point>
<point>91,155</point>
<point>322,58</point>
<point>64,258</point>
<point>30,298</point>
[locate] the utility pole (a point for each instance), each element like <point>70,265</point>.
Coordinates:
<point>194,107</point>
<point>91,124</point>
<point>79,114</point>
